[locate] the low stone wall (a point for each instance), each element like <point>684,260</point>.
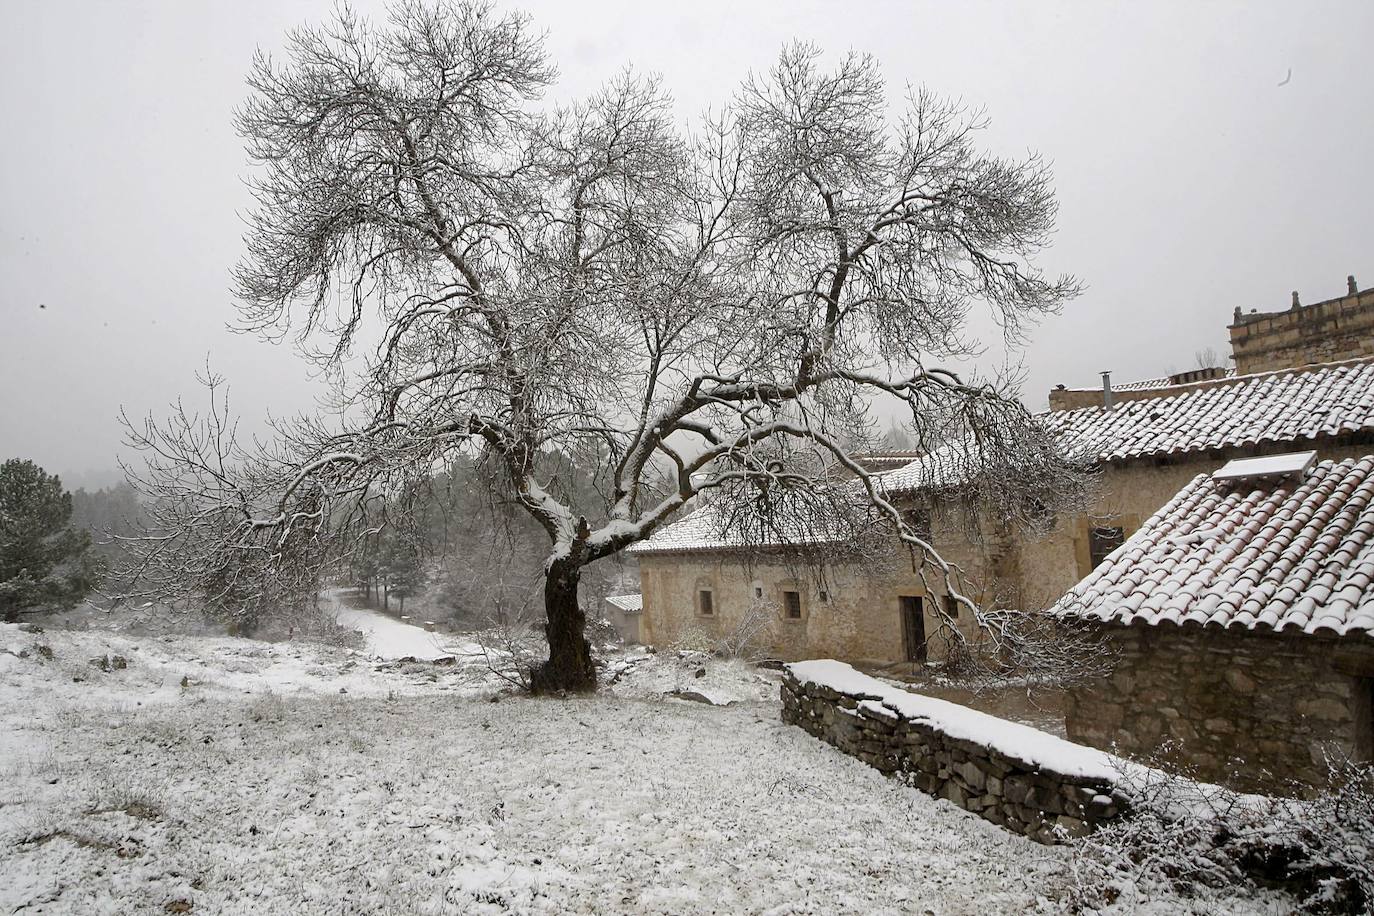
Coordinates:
<point>1013,790</point>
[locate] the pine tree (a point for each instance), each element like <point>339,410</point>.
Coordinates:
<point>42,558</point>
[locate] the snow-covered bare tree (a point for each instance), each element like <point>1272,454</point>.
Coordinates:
<point>714,306</point>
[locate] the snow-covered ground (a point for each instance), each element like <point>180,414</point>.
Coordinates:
<point>388,637</point>
<point>294,779</point>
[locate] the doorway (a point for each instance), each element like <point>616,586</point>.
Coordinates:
<point>913,628</point>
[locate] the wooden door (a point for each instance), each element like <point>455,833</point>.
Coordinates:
<point>913,628</point>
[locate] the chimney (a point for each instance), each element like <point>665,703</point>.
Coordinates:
<point>1350,288</point>
<point>1107,389</point>
<point>1296,303</point>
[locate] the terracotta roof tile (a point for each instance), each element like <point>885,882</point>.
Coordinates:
<point>1288,555</point>
<point>1288,406</point>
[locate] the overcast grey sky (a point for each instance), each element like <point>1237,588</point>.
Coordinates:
<point>1190,182</point>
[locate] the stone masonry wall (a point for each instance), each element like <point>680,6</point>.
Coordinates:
<point>853,613</point>
<point>1252,711</point>
<point>858,618</point>
<point>1034,801</point>
<point>1324,332</point>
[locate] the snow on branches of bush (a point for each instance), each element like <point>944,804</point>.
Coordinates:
<point>1189,838</point>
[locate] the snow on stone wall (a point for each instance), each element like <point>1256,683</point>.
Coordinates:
<point>1022,779</point>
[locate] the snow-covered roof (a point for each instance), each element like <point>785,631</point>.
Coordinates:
<point>1268,408</point>
<point>629,603</point>
<point>1297,406</point>
<point>1289,555</point>
<point>702,530</point>
<point>1176,380</point>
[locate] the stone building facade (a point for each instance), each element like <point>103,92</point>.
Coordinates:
<point>1242,619</point>
<point>881,614</point>
<point>1336,329</point>
<point>1256,711</point>
<point>1146,450</point>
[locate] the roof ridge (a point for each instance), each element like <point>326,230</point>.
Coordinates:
<point>1179,390</point>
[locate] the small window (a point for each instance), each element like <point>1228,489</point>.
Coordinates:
<point>706,603</point>
<point>952,608</point>
<point>918,520</point>
<point>758,591</point>
<point>1102,541</point>
<point>824,596</point>
<point>791,605</point>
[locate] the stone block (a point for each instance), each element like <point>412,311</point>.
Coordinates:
<point>972,776</point>
<point>1219,726</point>
<point>1327,709</point>
<point>1239,681</point>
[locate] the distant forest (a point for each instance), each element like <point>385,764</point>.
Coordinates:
<point>446,551</point>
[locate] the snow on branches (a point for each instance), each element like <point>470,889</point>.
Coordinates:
<point>683,310</point>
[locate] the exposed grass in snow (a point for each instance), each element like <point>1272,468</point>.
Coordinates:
<point>411,795</point>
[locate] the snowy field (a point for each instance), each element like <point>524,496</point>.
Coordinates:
<point>294,779</point>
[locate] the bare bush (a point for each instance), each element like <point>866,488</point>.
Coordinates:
<point>749,638</point>
<point>1187,837</point>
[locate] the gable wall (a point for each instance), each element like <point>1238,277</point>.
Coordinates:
<point>1129,494</point>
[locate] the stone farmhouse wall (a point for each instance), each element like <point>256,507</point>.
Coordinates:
<point>1128,494</point>
<point>1324,332</point>
<point>1024,797</point>
<point>848,611</point>
<point>1254,711</point>
<point>858,618</point>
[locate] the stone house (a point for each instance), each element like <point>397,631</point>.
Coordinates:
<point>624,612</point>
<point>1243,617</point>
<point>1145,448</point>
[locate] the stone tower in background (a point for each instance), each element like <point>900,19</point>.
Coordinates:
<point>1325,332</point>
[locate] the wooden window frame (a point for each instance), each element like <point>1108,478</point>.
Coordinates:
<point>1110,533</point>
<point>706,602</point>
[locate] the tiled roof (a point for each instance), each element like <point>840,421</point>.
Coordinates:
<point>1176,380</point>
<point>1270,408</point>
<point>630,603</point>
<point>702,530</point>
<point>1166,381</point>
<point>1296,555</point>
<point>1141,385</point>
<point>1291,406</point>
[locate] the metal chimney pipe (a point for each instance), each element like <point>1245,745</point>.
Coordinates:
<point>1107,389</point>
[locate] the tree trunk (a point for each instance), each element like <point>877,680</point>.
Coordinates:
<point>570,657</point>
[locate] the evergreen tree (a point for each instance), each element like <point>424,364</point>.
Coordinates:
<point>43,559</point>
